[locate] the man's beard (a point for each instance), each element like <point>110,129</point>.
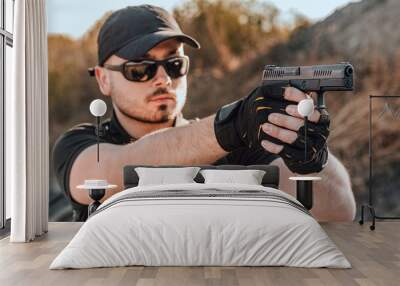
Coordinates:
<point>164,118</point>
<point>163,107</point>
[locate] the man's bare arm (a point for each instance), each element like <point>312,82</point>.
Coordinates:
<point>185,145</point>
<point>333,196</point>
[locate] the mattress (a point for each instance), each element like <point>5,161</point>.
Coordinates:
<point>201,225</point>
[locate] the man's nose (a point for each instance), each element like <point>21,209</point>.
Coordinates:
<point>162,78</point>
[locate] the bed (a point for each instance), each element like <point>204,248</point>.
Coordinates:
<point>201,224</point>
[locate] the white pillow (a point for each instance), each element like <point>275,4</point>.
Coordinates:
<point>248,177</point>
<point>162,176</point>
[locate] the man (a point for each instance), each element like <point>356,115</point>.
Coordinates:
<point>142,67</point>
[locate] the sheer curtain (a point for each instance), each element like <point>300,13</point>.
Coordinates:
<point>27,157</point>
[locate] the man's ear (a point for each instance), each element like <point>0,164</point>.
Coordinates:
<point>103,80</point>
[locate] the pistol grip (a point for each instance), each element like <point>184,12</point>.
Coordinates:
<point>320,100</point>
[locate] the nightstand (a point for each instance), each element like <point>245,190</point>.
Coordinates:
<point>97,190</point>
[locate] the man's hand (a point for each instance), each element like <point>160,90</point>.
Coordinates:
<point>289,130</point>
<point>268,117</point>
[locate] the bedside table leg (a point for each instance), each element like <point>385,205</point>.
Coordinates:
<point>304,193</point>
<point>96,195</point>
<point>93,207</point>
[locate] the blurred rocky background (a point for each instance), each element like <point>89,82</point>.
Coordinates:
<point>238,38</point>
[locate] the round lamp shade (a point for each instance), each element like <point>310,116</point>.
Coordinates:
<point>98,107</point>
<point>306,107</point>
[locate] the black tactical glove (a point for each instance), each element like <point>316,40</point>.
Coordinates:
<point>239,124</point>
<point>317,150</point>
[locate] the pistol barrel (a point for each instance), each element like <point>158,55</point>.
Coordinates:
<point>318,78</point>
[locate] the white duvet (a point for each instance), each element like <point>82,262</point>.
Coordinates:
<point>201,224</point>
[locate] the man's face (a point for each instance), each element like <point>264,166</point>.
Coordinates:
<point>155,101</point>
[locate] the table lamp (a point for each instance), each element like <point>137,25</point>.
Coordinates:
<point>98,108</point>
<point>304,190</point>
<point>97,188</point>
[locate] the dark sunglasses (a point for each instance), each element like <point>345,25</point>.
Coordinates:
<point>145,70</point>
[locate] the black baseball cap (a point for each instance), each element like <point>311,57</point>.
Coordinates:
<point>132,31</point>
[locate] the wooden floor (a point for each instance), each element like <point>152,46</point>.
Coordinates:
<point>374,255</point>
